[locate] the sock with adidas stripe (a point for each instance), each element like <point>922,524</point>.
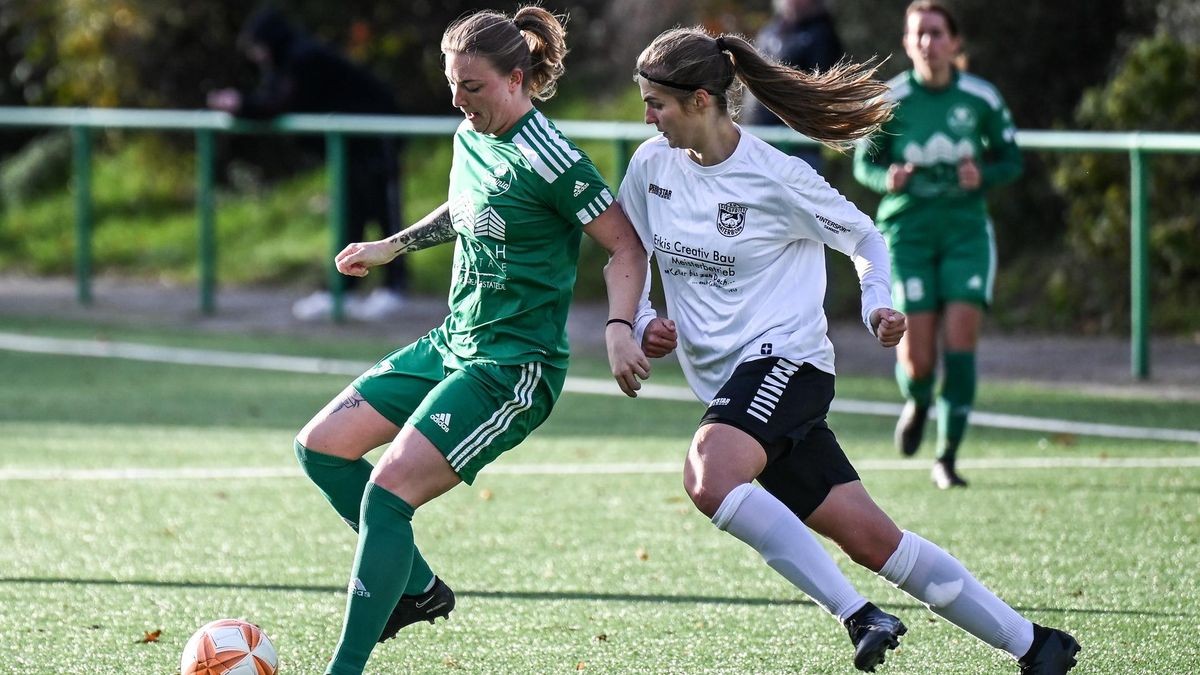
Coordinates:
<point>377,579</point>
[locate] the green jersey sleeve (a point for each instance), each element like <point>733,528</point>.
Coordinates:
<point>1002,161</point>
<point>870,162</point>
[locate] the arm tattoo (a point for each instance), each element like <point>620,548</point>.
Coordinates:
<point>436,228</point>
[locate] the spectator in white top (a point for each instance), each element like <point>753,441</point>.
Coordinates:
<point>739,230</point>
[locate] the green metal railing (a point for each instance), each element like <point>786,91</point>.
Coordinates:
<point>206,124</point>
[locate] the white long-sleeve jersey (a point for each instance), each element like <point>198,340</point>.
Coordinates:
<point>740,249</point>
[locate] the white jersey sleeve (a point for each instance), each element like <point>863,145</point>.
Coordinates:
<point>824,214</point>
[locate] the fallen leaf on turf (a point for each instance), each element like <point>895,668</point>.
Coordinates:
<point>150,636</point>
<point>486,495</point>
<point>580,666</point>
<point>642,554</point>
<point>603,637</point>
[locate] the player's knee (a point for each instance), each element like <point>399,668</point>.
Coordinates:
<point>918,366</point>
<point>870,553</point>
<point>706,491</point>
<point>697,477</point>
<point>310,438</point>
<point>706,498</point>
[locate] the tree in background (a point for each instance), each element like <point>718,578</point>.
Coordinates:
<point>1154,90</point>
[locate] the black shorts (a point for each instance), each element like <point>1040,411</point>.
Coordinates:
<point>783,405</point>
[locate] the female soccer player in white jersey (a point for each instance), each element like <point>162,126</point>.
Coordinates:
<point>739,231</point>
<point>520,196</point>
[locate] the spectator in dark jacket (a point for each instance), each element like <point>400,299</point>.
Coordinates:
<point>801,34</point>
<point>301,75</point>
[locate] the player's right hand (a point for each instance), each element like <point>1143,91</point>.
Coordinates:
<point>357,259</point>
<point>660,338</point>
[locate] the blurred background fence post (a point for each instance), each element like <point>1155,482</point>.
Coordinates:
<point>1139,260</point>
<point>335,158</point>
<point>81,171</point>
<point>205,214</point>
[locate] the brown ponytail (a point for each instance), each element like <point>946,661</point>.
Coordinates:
<point>836,106</point>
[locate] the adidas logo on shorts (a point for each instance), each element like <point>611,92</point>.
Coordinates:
<point>442,420</point>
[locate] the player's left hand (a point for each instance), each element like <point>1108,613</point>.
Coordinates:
<point>625,358</point>
<point>969,177</point>
<point>889,326</point>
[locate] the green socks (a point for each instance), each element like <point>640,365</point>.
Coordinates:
<point>920,391</point>
<point>380,572</point>
<point>343,481</point>
<point>955,401</point>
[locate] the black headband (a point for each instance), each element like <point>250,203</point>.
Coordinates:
<point>677,85</point>
<point>668,83</point>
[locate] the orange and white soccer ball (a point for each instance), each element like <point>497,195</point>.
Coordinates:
<point>229,647</point>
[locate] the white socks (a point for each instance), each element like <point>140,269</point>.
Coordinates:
<point>929,574</point>
<point>785,543</point>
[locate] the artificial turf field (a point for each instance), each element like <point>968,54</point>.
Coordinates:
<point>138,496</point>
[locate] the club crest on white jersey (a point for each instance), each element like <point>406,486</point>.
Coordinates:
<point>731,218</point>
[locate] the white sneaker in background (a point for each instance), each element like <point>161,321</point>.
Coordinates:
<point>380,304</point>
<point>313,307</point>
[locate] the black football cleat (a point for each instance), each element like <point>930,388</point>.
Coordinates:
<point>873,632</point>
<point>1052,652</point>
<point>436,602</point>
<point>910,428</point>
<point>945,477</point>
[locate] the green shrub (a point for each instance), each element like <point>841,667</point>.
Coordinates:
<point>1152,91</point>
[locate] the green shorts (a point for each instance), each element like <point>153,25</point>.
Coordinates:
<point>934,263</point>
<point>471,414</point>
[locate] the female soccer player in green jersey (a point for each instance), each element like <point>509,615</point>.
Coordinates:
<point>951,139</point>
<point>520,196</point>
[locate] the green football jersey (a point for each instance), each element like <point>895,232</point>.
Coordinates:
<point>519,202</point>
<point>934,129</point>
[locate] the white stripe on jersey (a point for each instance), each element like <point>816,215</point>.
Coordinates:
<point>500,420</point>
<point>981,88</point>
<point>595,207</point>
<point>538,141</point>
<point>555,139</point>
<point>534,158</point>
<point>545,148</point>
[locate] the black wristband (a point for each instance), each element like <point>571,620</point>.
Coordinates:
<point>612,321</point>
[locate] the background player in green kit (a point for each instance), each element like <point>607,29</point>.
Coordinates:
<point>951,139</point>
<point>520,196</point>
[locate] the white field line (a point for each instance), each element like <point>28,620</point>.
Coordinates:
<point>299,364</point>
<point>637,468</point>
